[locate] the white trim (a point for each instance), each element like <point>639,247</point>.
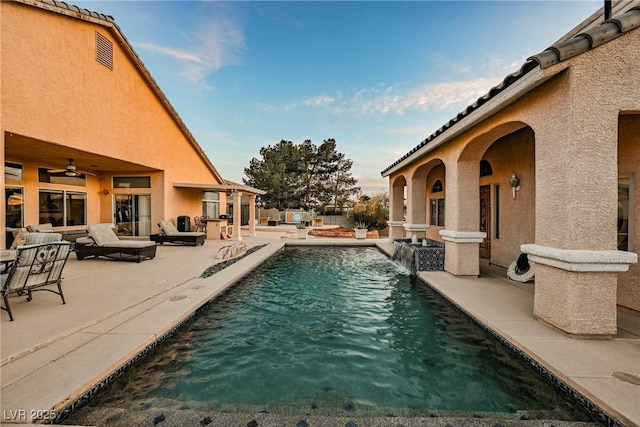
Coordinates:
<point>580,260</point>
<point>416,227</point>
<point>395,223</point>
<point>463,236</point>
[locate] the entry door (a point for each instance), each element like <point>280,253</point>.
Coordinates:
<point>132,214</point>
<point>485,220</point>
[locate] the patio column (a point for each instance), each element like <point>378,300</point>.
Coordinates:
<point>462,217</point>
<point>237,215</point>
<point>417,207</point>
<point>575,251</point>
<point>396,209</point>
<point>252,215</point>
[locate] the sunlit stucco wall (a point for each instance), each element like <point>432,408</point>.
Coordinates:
<point>54,90</point>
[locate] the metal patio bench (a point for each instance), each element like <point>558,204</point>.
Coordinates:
<point>34,268</point>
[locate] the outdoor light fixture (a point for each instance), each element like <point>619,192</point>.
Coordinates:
<point>514,182</point>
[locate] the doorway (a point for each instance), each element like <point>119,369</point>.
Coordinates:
<point>485,220</point>
<point>132,214</point>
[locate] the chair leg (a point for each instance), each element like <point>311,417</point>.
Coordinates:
<point>6,307</point>
<point>60,291</point>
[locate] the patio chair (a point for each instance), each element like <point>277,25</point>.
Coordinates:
<point>35,267</point>
<point>170,234</point>
<point>201,223</point>
<point>103,241</point>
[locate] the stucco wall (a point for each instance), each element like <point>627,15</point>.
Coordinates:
<point>53,89</point>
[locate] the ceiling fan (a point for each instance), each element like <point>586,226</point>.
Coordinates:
<point>70,170</point>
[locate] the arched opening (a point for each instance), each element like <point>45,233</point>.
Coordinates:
<point>628,220</point>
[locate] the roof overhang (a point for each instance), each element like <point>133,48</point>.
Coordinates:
<point>229,187</point>
<point>508,96</point>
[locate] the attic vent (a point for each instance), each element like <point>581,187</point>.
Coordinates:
<point>104,51</point>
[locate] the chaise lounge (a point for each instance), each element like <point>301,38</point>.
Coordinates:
<point>103,241</point>
<point>35,267</point>
<point>170,234</point>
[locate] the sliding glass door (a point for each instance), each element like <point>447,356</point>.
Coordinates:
<point>132,214</point>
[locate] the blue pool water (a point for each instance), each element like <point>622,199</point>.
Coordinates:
<point>334,331</point>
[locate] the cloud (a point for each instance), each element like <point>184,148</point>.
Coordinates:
<point>213,43</point>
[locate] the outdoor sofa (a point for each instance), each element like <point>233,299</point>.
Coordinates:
<point>170,234</point>
<point>35,267</point>
<point>103,241</point>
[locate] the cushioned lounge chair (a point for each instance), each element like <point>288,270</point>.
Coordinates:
<point>170,234</point>
<point>103,241</point>
<point>35,267</point>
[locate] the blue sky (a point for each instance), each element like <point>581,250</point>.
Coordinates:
<point>377,76</point>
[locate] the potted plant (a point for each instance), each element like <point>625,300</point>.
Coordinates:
<point>302,230</point>
<point>361,229</point>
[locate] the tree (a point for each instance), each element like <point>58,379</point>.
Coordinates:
<point>302,175</point>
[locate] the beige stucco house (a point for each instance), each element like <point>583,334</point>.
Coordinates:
<point>74,94</point>
<point>547,164</point>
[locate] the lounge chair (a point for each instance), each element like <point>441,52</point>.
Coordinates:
<point>35,267</point>
<point>103,241</point>
<point>170,234</point>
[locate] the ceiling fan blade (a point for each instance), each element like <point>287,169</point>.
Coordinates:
<point>86,173</point>
<point>56,170</point>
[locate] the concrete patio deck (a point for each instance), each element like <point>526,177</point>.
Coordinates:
<point>52,354</point>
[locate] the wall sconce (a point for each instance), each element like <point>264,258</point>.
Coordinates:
<point>105,192</point>
<point>514,182</point>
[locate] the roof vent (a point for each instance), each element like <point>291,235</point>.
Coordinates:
<point>104,51</point>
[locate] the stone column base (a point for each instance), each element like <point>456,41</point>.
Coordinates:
<point>396,230</point>
<point>420,230</point>
<point>461,252</point>
<point>575,290</point>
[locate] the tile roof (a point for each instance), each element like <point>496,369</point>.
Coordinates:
<point>562,50</point>
<point>74,8</point>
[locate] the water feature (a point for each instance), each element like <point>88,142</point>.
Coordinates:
<point>330,331</point>
<point>416,255</point>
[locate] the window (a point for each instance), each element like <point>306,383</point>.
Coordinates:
<point>485,168</point>
<point>211,204</point>
<point>437,187</point>
<point>13,171</point>
<point>62,208</point>
<point>45,176</point>
<point>625,213</point>
<point>437,212</point>
<point>131,182</point>
<point>14,207</point>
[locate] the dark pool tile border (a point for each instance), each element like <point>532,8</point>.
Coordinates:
<point>108,380</point>
<point>587,404</point>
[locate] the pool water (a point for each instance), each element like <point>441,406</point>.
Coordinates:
<point>333,331</point>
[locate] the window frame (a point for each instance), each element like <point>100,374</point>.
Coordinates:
<point>437,219</point>
<point>65,209</point>
<point>630,208</point>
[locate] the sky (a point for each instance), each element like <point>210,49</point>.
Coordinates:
<point>377,76</point>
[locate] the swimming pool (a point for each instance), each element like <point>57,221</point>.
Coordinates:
<point>334,331</point>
